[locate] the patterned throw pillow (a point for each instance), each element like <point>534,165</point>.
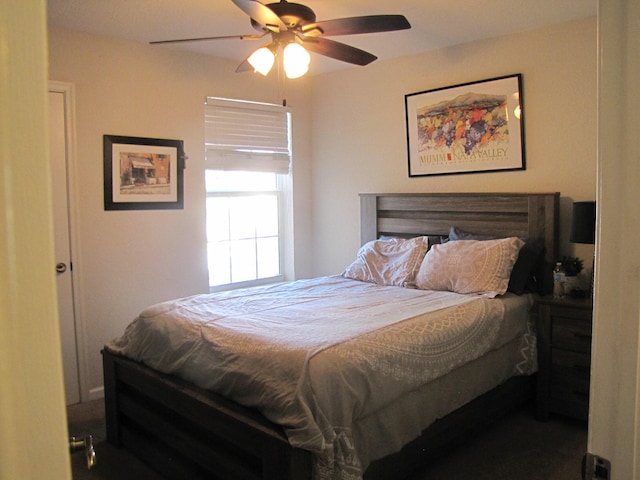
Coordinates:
<point>470,266</point>
<point>528,270</point>
<point>393,261</point>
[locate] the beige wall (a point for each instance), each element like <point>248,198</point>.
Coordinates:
<point>359,139</point>
<point>127,260</point>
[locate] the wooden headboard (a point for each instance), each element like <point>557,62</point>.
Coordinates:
<point>524,215</point>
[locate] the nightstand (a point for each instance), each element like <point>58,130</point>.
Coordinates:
<point>564,357</point>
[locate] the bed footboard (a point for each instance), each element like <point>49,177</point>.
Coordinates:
<point>184,432</point>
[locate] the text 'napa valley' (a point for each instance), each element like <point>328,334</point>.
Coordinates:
<point>476,155</point>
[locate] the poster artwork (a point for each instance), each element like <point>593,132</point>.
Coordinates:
<point>144,173</point>
<point>466,128</point>
<point>470,128</point>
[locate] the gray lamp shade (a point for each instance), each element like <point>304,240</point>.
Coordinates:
<point>583,224</point>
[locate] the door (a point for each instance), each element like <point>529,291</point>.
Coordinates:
<point>58,150</point>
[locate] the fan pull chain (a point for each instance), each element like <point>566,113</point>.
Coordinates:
<point>282,81</point>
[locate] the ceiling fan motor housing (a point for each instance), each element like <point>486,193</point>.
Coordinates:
<point>292,14</point>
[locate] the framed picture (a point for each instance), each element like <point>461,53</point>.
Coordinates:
<point>472,127</point>
<point>143,173</point>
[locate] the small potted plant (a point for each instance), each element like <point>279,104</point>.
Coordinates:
<point>572,267</point>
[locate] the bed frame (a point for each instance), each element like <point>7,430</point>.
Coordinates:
<point>183,431</point>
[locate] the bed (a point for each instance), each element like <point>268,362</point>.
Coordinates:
<point>187,431</point>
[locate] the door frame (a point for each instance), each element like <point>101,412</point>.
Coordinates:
<point>68,92</point>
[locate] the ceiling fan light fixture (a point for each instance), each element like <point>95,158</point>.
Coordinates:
<point>296,60</point>
<point>262,60</point>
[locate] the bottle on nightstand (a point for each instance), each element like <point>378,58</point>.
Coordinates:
<point>558,281</point>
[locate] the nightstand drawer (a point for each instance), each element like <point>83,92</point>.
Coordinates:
<point>571,334</point>
<point>570,371</point>
<point>569,383</point>
<point>564,357</point>
<point>574,363</point>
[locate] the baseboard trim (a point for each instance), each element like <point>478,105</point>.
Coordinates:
<point>96,393</point>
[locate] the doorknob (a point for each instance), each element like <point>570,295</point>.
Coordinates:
<point>85,444</point>
<point>61,267</point>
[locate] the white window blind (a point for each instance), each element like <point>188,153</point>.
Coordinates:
<point>246,136</point>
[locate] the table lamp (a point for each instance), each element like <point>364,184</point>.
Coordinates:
<point>583,227</point>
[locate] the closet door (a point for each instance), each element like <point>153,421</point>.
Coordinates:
<point>58,150</point>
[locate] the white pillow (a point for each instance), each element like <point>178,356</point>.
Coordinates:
<point>470,266</point>
<point>393,261</point>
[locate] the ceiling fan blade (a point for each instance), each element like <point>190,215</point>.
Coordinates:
<point>338,51</point>
<point>355,25</point>
<point>200,39</point>
<point>261,14</point>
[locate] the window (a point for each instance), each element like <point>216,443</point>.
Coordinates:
<point>248,157</point>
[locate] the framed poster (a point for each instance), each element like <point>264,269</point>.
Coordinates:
<point>466,128</point>
<point>142,173</point>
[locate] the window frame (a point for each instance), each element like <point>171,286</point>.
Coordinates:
<point>279,193</point>
<point>283,193</point>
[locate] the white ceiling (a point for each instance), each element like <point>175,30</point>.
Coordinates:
<point>435,23</point>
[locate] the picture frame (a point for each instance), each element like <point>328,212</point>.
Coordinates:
<point>466,128</point>
<point>143,173</point>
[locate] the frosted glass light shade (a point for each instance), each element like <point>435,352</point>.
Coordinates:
<point>296,60</point>
<point>262,60</point>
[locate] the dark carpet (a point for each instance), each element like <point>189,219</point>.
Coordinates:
<point>516,448</point>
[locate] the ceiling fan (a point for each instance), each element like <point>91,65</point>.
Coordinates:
<point>294,29</point>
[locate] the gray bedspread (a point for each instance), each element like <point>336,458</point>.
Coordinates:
<point>316,355</point>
